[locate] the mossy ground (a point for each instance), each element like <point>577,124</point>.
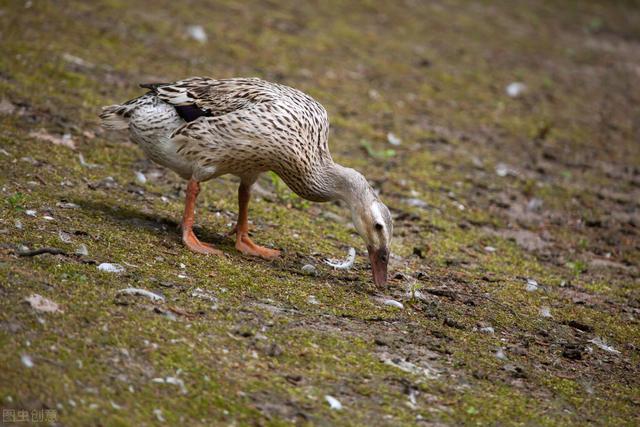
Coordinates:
<point>566,215</point>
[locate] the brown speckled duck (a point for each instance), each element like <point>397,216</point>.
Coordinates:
<point>203,128</point>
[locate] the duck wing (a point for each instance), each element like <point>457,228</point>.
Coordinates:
<point>202,96</point>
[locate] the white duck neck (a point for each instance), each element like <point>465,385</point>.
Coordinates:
<point>332,182</point>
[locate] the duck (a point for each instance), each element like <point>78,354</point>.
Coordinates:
<point>202,128</point>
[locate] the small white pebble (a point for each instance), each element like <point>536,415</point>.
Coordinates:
<point>67,205</point>
<point>197,33</point>
<point>415,202</point>
<point>111,268</point>
<point>333,402</point>
<point>489,249</point>
<point>158,414</point>
<point>140,178</point>
<point>534,204</point>
<point>515,89</point>
<point>82,250</point>
<point>413,293</point>
<point>393,139</point>
<point>30,212</point>
<point>500,354</point>
<point>412,403</point>
<point>178,382</point>
<point>65,237</point>
<point>545,312</point>
<point>48,218</point>
<point>488,330</point>
<point>313,300</point>
<point>141,292</point>
<point>502,169</point>
<point>532,285</point>
<point>18,224</point>
<point>27,361</point>
<point>393,303</point>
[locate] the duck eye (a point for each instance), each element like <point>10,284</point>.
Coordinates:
<point>379,226</point>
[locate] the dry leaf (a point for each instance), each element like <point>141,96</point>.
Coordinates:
<point>64,140</point>
<point>40,303</point>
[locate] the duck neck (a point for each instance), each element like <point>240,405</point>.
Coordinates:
<point>348,185</point>
<point>332,182</point>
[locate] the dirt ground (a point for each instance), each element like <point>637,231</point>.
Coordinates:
<point>515,192</point>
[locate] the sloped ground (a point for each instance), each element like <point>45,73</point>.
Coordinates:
<point>517,219</point>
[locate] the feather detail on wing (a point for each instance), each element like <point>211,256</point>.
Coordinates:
<point>214,97</point>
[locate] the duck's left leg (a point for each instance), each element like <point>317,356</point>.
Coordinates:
<point>243,243</point>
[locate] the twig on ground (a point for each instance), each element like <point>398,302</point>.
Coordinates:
<point>41,251</point>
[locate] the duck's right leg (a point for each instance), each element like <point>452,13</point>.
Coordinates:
<point>188,237</point>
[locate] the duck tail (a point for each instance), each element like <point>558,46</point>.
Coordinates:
<point>115,117</point>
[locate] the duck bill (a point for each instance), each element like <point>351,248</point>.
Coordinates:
<point>379,259</point>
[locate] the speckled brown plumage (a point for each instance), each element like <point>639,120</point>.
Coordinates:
<point>203,128</point>
<point>250,126</point>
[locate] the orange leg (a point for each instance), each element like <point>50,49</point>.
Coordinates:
<point>188,237</point>
<point>243,242</point>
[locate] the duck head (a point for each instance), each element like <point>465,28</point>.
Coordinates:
<point>373,223</point>
<point>370,216</point>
